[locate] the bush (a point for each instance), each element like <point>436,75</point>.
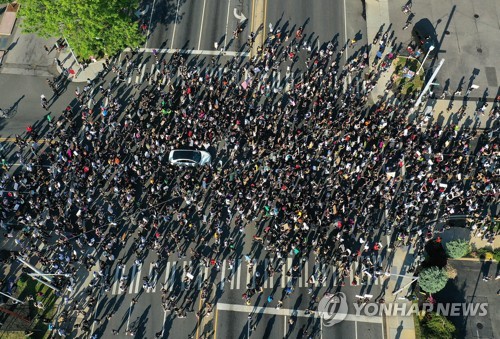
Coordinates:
<point>433,279</point>
<point>457,248</point>
<point>451,271</point>
<point>437,326</point>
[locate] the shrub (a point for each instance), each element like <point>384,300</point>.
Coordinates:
<point>433,279</point>
<point>457,248</point>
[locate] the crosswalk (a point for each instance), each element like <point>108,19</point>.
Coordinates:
<point>240,275</point>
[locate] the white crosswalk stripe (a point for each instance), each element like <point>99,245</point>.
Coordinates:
<point>137,279</point>
<point>241,275</point>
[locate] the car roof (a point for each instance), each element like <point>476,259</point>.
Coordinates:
<point>184,154</point>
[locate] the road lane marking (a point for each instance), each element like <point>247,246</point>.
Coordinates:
<point>223,275</point>
<point>291,312</point>
<point>138,279</point>
<point>149,26</point>
<point>289,262</point>
<point>142,73</point>
<point>172,280</point>
<point>175,25</point>
<point>215,326</point>
<point>167,273</point>
<point>202,19</point>
<point>227,23</point>
<point>193,52</point>
<point>345,33</point>
<point>238,275</point>
<point>117,280</point>
<point>132,276</point>
<point>303,279</point>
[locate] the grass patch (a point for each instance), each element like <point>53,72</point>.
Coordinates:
<point>405,85</point>
<point>26,286</point>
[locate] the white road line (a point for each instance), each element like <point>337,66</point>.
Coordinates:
<point>324,270</point>
<point>149,25</point>
<point>138,279</point>
<point>117,280</point>
<point>223,275</point>
<point>265,276</point>
<point>284,326</point>
<point>175,24</point>
<point>291,312</point>
<point>183,276</point>
<point>172,279</point>
<point>355,329</point>
<point>234,270</point>
<point>351,272</point>
<point>149,276</point>
<point>206,275</point>
<point>227,23</point>
<point>238,276</point>
<point>201,26</point>
<point>142,73</point>
<point>334,275</point>
<point>155,278</point>
<point>131,287</point>
<point>249,275</point>
<point>152,74</point>
<point>289,264</point>
<point>129,79</point>
<point>305,275</point>
<point>167,272</point>
<point>193,52</point>
<point>345,32</point>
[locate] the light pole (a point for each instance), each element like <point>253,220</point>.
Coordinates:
<point>11,297</point>
<point>429,84</point>
<point>61,25</point>
<point>431,48</point>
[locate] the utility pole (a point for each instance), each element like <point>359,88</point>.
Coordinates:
<point>429,84</point>
<point>11,297</point>
<point>431,48</point>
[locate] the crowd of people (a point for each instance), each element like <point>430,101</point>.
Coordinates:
<point>306,168</point>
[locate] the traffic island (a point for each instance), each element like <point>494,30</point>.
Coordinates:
<point>34,315</point>
<point>406,78</point>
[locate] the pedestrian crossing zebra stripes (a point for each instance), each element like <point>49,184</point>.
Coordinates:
<point>181,274</point>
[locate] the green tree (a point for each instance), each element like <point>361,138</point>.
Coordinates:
<point>433,279</point>
<point>457,248</point>
<point>92,27</point>
<point>435,326</point>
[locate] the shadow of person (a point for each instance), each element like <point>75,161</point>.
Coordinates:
<point>399,330</point>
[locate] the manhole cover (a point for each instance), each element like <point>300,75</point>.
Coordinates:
<point>479,50</point>
<point>447,32</point>
<point>476,16</point>
<point>479,326</point>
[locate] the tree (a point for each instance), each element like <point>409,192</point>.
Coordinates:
<point>92,27</point>
<point>457,248</point>
<point>437,326</point>
<point>433,279</point>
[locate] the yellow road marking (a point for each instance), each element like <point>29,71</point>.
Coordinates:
<point>216,318</point>
<point>200,318</point>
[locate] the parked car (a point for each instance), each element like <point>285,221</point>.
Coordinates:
<point>187,157</point>
<point>424,35</point>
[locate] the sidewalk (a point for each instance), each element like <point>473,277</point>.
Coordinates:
<point>399,326</point>
<point>76,72</point>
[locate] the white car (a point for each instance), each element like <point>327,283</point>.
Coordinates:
<point>188,157</point>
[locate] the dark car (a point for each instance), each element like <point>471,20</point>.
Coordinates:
<point>425,36</point>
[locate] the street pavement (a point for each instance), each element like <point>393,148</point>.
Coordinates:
<point>196,25</point>
<point>469,286</point>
